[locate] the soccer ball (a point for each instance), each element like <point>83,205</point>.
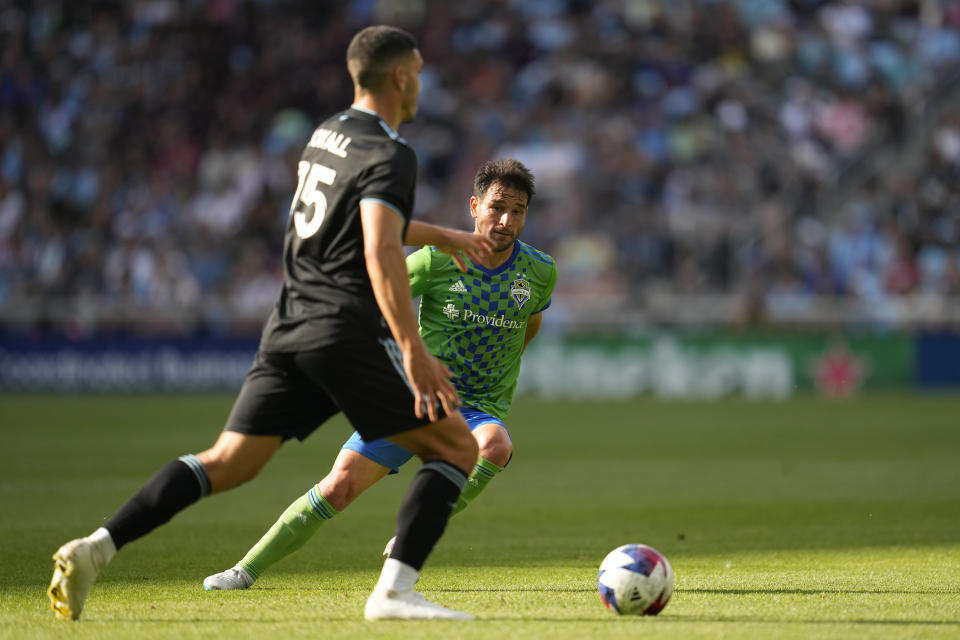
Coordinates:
<point>635,580</point>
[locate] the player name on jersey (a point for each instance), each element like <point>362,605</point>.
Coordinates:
<point>332,141</point>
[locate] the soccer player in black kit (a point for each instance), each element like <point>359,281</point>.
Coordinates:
<point>342,337</point>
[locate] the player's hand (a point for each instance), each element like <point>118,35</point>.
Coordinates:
<point>473,245</point>
<point>430,380</point>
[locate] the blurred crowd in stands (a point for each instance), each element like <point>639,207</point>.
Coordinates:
<point>148,148</point>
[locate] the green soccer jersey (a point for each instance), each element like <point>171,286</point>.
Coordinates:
<point>476,321</point>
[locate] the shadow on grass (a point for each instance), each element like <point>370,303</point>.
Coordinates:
<point>443,590</point>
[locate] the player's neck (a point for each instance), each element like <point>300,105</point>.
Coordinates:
<point>382,106</point>
<point>497,258</point>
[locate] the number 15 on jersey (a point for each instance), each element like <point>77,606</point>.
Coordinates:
<point>310,175</point>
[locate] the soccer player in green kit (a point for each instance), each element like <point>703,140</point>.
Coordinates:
<point>478,322</point>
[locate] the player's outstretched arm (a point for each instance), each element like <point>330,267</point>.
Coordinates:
<point>449,241</point>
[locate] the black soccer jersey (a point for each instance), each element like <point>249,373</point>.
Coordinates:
<point>326,295</point>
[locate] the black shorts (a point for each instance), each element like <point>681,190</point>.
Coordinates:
<point>291,394</point>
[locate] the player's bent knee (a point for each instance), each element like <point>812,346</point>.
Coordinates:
<point>448,439</point>
<point>236,459</point>
<point>497,452</point>
<point>225,477</point>
<point>463,455</point>
<point>228,472</point>
<point>338,490</point>
<point>460,453</point>
<point>494,443</point>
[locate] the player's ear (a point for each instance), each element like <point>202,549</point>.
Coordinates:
<point>474,205</point>
<point>398,77</point>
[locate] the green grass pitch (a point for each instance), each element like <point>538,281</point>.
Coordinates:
<point>802,519</point>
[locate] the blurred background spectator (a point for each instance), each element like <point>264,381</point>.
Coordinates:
<point>721,161</point>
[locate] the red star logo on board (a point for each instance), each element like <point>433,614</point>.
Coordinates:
<point>838,372</point>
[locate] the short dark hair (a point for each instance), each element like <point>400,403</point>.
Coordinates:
<point>508,173</point>
<point>372,50</point>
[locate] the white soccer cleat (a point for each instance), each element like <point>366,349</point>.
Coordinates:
<point>407,605</point>
<point>75,569</point>
<point>387,549</point>
<point>233,578</point>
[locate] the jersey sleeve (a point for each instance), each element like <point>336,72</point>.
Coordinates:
<point>392,181</point>
<point>548,293</point>
<point>418,268</point>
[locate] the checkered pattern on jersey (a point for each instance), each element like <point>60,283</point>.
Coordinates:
<point>484,341</point>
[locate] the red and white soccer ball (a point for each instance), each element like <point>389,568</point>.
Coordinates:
<point>635,580</point>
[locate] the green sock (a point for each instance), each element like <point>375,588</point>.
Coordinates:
<point>483,473</point>
<point>297,524</point>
